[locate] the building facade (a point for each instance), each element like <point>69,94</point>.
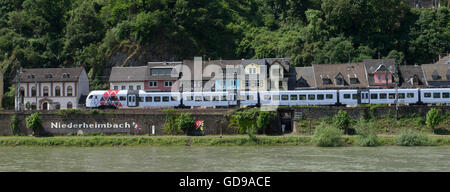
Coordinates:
<point>51,88</point>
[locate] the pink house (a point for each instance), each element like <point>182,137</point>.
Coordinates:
<point>380,72</point>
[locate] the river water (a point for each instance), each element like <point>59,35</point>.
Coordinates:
<point>225,158</point>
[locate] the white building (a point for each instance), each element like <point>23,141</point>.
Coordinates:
<point>51,88</point>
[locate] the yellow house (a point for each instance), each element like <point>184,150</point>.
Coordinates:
<point>255,76</point>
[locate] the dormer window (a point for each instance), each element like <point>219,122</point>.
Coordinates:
<point>326,81</point>
<point>354,80</point>
<point>66,75</point>
<point>49,76</point>
<point>436,75</point>
<point>339,79</point>
<point>31,76</point>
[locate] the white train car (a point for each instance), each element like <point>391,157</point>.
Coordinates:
<point>349,97</point>
<point>435,96</point>
<point>158,99</point>
<point>197,99</point>
<point>248,98</point>
<point>306,97</point>
<point>388,96</point>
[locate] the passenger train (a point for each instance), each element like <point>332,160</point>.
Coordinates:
<point>350,97</point>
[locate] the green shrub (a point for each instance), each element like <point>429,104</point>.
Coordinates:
<point>432,118</point>
<point>327,136</point>
<point>185,123</point>
<point>170,126</point>
<point>367,135</point>
<point>342,121</point>
<point>34,122</point>
<point>14,124</point>
<point>411,138</point>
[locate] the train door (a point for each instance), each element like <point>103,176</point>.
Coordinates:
<point>132,101</point>
<point>365,97</point>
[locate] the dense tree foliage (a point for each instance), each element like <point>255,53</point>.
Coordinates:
<point>88,33</point>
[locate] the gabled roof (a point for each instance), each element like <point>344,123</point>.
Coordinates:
<point>372,65</point>
<point>408,72</point>
<point>348,71</point>
<point>129,74</point>
<point>307,74</point>
<point>51,74</point>
<point>441,70</point>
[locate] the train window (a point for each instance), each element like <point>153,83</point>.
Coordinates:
<point>189,98</point>
<point>174,98</point>
<point>401,95</point>
<point>437,95</point>
<point>294,97</point>
<point>215,98</point>
<point>346,96</point>
<point>284,97</point>
<point>148,99</point>
<point>90,97</point>
<point>207,98</point>
<point>383,95</point>
<point>373,96</point>
<point>320,97</point>
<point>198,98</point>
<point>141,99</point>
<point>302,97</point>
<point>355,96</point>
<point>122,98</point>
<point>446,95</point>
<point>165,99</point>
<point>311,97</point>
<point>276,97</point>
<point>224,97</point>
<point>157,99</point>
<point>391,95</point>
<point>329,96</point>
<point>410,95</point>
<point>267,97</point>
<point>113,98</point>
<point>102,99</point>
<point>426,94</point>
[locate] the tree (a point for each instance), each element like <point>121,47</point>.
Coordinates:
<point>342,121</point>
<point>432,118</point>
<point>34,122</point>
<point>185,123</point>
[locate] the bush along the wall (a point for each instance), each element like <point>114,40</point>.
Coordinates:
<point>34,122</point>
<point>170,126</point>
<point>410,138</point>
<point>433,118</point>
<point>367,135</point>
<point>342,121</point>
<point>14,124</point>
<point>326,135</point>
<point>185,123</point>
<point>242,121</point>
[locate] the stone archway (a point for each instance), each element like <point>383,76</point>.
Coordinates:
<point>45,103</point>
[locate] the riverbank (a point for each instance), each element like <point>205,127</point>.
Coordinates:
<point>238,140</point>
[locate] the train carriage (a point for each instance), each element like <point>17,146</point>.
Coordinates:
<point>434,96</point>
<point>388,96</point>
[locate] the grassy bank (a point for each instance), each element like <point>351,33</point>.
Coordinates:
<point>97,141</point>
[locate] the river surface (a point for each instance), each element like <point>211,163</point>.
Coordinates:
<point>225,158</point>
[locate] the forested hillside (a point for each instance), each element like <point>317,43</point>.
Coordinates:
<point>98,34</point>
